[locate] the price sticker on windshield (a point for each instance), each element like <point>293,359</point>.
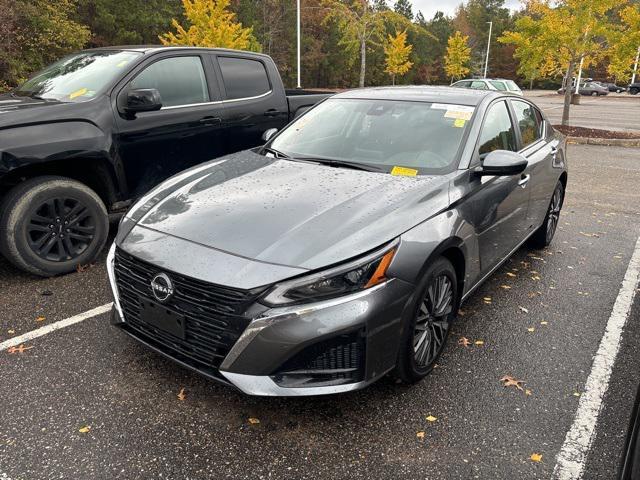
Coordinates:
<point>404,171</point>
<point>78,93</point>
<point>461,112</point>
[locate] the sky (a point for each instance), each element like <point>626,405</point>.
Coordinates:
<point>430,7</point>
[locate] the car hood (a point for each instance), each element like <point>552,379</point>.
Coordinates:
<point>18,110</point>
<point>289,213</point>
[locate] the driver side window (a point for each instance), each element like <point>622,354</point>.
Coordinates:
<point>497,131</point>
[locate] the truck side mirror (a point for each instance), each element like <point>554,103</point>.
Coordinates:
<point>268,134</point>
<point>143,100</point>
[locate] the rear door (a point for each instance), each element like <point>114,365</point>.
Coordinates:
<point>539,149</point>
<point>186,131</point>
<point>497,205</point>
<point>253,102</point>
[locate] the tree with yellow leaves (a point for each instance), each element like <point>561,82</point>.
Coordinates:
<point>397,54</point>
<point>457,58</point>
<point>569,31</point>
<point>211,25</point>
<point>625,44</point>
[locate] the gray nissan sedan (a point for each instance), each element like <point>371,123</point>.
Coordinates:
<point>341,250</point>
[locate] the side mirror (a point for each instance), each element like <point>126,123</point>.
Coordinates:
<point>502,162</point>
<point>268,134</point>
<point>143,100</point>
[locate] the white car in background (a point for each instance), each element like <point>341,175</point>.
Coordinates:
<point>499,84</point>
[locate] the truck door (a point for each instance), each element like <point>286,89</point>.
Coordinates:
<point>252,102</point>
<point>187,130</point>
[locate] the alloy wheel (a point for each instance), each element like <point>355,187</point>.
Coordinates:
<point>554,213</point>
<point>60,229</point>
<point>433,321</point>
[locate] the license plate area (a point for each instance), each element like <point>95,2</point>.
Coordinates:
<point>162,318</point>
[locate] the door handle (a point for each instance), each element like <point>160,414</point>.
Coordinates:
<point>272,113</point>
<point>211,120</point>
<point>554,152</point>
<point>524,179</point>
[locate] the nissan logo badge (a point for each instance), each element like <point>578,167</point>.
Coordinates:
<point>162,287</point>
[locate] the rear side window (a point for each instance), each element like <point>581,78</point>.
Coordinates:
<point>513,86</point>
<point>527,122</point>
<point>497,131</point>
<point>462,84</point>
<point>243,78</point>
<point>180,81</point>
<point>479,85</point>
<point>499,85</point>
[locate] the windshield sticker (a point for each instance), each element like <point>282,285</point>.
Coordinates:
<point>459,122</point>
<point>455,108</point>
<point>458,115</point>
<point>78,93</point>
<point>404,171</point>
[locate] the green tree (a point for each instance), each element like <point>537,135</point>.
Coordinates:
<point>404,8</point>
<point>570,31</point>
<point>360,25</point>
<point>397,55</point>
<point>625,43</point>
<point>457,57</point>
<point>211,25</point>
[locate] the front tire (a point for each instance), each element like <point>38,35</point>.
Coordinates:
<point>49,225</point>
<point>634,91</point>
<point>426,331</point>
<point>544,235</point>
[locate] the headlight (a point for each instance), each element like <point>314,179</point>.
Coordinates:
<point>357,275</point>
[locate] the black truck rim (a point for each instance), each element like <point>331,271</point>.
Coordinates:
<point>60,229</point>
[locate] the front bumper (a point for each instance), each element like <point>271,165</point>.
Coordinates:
<point>277,336</point>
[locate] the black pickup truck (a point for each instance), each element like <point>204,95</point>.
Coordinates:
<point>87,135</point>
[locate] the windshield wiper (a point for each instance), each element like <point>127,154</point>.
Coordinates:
<point>341,163</point>
<point>276,153</point>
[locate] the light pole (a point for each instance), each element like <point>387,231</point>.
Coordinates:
<point>635,67</point>
<point>579,75</point>
<point>298,40</point>
<point>486,61</point>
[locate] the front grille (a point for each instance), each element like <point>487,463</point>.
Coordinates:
<point>335,361</point>
<point>213,314</point>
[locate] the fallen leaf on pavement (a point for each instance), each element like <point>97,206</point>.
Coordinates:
<point>479,342</point>
<point>420,435</point>
<point>527,392</point>
<point>544,322</point>
<point>181,395</point>
<point>464,341</point>
<point>535,277</point>
<point>536,457</point>
<point>85,429</point>
<point>509,381</point>
<point>524,309</point>
<point>19,349</point>
<point>40,318</point>
<point>11,332</point>
<point>576,394</point>
<point>431,418</point>
<point>509,274</point>
<point>253,421</point>
<point>531,329</point>
<point>506,287</point>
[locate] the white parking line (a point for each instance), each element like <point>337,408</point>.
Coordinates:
<point>15,341</point>
<point>573,454</point>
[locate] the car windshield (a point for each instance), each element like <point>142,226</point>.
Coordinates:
<point>78,77</point>
<point>499,85</point>
<point>386,135</point>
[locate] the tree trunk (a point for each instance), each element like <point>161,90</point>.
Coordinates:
<point>393,79</point>
<point>363,60</point>
<point>568,91</point>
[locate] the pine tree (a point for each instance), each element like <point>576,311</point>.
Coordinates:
<point>404,8</point>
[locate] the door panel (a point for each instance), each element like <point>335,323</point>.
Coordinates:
<point>498,205</point>
<point>252,105</point>
<point>186,131</point>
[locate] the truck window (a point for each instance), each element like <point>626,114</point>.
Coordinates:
<point>243,78</point>
<point>180,81</point>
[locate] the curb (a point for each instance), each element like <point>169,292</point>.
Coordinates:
<point>612,142</point>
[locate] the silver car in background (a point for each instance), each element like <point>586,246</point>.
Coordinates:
<point>341,250</point>
<point>496,84</point>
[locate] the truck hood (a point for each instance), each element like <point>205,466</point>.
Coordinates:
<point>289,213</point>
<point>17,110</point>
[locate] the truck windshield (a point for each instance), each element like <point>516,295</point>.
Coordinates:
<point>78,77</point>
<point>403,137</point>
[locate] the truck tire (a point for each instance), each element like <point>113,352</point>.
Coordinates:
<point>634,91</point>
<point>49,225</point>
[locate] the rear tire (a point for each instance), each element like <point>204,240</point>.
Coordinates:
<point>634,91</point>
<point>544,235</point>
<point>49,225</point>
<point>426,331</point>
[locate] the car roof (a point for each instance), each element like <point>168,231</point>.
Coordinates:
<point>424,93</point>
<point>148,49</point>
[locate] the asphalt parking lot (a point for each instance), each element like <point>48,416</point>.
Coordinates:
<point>88,402</point>
<point>616,111</point>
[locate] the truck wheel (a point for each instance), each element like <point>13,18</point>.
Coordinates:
<point>50,225</point>
<point>634,91</point>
